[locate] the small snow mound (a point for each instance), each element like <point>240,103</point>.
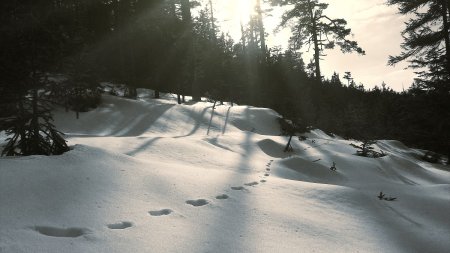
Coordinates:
<point>394,144</point>
<point>258,120</point>
<point>299,169</point>
<point>61,232</point>
<point>272,148</point>
<point>398,147</point>
<point>318,134</point>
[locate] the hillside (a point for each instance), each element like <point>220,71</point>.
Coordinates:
<point>154,176</point>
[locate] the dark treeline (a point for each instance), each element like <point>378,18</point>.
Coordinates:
<point>57,52</point>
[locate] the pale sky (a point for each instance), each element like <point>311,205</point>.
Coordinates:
<point>376,26</point>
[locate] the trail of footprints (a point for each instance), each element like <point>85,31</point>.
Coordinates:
<point>77,232</point>
<point>268,170</point>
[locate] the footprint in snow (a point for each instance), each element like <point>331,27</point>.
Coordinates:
<point>120,225</point>
<point>237,188</point>
<point>223,196</point>
<point>160,212</point>
<point>61,232</point>
<point>267,174</point>
<point>263,181</point>
<point>198,202</point>
<point>251,184</point>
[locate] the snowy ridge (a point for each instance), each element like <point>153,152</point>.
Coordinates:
<point>154,176</point>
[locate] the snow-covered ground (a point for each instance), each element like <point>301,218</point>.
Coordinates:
<point>154,176</point>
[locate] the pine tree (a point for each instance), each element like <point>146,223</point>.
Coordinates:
<point>261,31</point>
<point>312,27</point>
<point>348,77</point>
<point>335,79</point>
<point>29,39</point>
<point>426,40</point>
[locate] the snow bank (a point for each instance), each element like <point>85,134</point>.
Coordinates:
<point>153,176</point>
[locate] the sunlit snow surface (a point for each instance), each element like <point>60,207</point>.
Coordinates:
<point>154,176</point>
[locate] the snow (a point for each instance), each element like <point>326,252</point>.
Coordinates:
<point>149,175</point>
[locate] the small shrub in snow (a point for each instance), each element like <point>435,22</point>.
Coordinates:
<point>30,131</point>
<point>365,149</point>
<point>333,167</point>
<point>432,157</point>
<point>382,196</point>
<point>302,138</point>
<point>330,134</point>
<point>390,199</point>
<point>291,128</point>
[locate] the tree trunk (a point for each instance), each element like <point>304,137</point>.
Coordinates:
<point>213,25</point>
<point>317,55</point>
<point>131,92</point>
<point>252,30</point>
<point>261,28</point>
<point>22,132</point>
<point>243,40</point>
<point>77,103</point>
<point>118,22</point>
<point>445,8</point>
<point>316,43</point>
<point>191,57</point>
<point>288,147</point>
<point>186,11</point>
<point>35,121</point>
<point>172,9</point>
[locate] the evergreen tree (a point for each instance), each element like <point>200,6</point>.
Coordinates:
<point>312,27</point>
<point>335,79</point>
<point>348,77</point>
<point>426,40</point>
<point>29,38</point>
<point>260,24</point>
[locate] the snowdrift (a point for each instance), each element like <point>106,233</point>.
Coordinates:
<point>152,176</point>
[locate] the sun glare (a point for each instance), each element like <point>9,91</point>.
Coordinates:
<point>233,13</point>
<point>244,8</point>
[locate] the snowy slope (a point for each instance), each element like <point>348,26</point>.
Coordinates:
<point>154,176</point>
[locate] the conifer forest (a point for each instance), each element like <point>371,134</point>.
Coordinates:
<point>57,53</point>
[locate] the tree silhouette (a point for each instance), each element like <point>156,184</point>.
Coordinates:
<point>311,27</point>
<point>426,39</point>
